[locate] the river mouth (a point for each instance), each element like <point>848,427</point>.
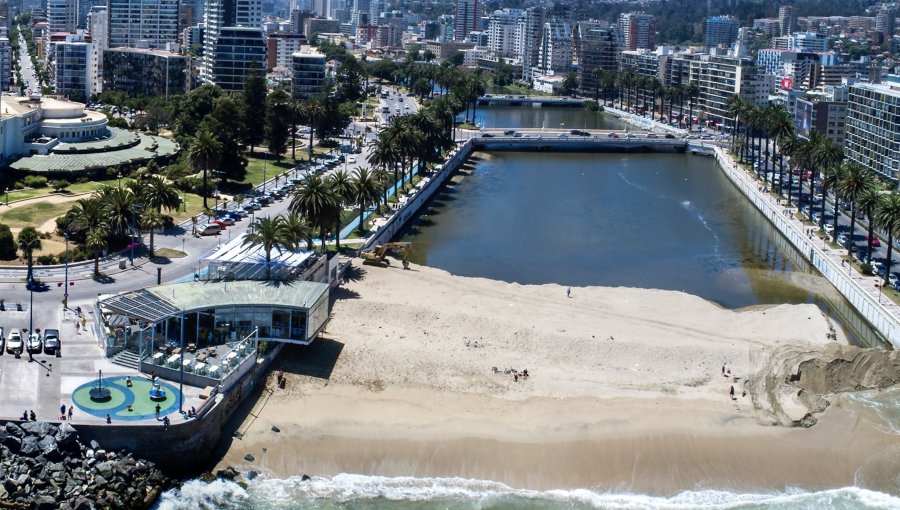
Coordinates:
<point>663,221</point>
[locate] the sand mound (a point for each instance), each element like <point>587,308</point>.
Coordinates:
<point>796,382</point>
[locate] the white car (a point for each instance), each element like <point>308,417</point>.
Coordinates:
<point>406,107</point>
<point>14,342</point>
<point>34,342</point>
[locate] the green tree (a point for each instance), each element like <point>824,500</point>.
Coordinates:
<point>869,202</point>
<point>315,199</point>
<point>7,243</point>
<point>831,181</point>
<point>428,55</point>
<point>204,152</point>
<point>269,234</point>
<point>366,192</point>
<point>278,115</point>
<point>421,88</point>
<point>888,216</point>
<point>253,108</point>
<point>313,113</point>
<point>59,185</point>
<point>856,182</point>
<point>456,59</point>
<point>151,220</point>
<point>298,228</point>
<point>96,241</point>
<point>29,240</point>
<point>225,125</point>
<point>159,194</point>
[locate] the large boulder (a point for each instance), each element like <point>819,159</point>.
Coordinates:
<point>48,446</point>
<point>39,428</point>
<point>14,429</point>
<point>30,446</point>
<point>10,441</point>
<point>66,436</point>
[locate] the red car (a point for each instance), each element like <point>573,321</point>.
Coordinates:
<point>221,223</point>
<point>875,241</point>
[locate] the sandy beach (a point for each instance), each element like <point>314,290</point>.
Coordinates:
<point>625,391</point>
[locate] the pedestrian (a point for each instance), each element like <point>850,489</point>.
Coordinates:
<point>62,409</point>
<point>569,292</point>
<point>84,323</point>
<point>158,409</point>
<point>32,416</point>
<point>108,419</point>
<point>77,327</point>
<point>166,422</point>
<point>732,392</point>
<point>723,369</point>
<point>24,415</point>
<point>71,409</point>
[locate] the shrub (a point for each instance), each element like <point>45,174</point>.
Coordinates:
<point>868,269</point>
<point>46,260</point>
<point>7,244</point>
<point>35,181</point>
<point>59,185</point>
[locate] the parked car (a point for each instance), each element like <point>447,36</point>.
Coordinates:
<point>226,220</point>
<point>612,135</point>
<point>517,134</point>
<point>842,239</point>
<point>14,342</point>
<point>220,223</point>
<point>33,344</point>
<point>875,242</point>
<point>51,341</point>
<point>210,229</point>
<point>829,228</point>
<point>2,341</point>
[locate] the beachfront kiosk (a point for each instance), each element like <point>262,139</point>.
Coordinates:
<point>208,332</point>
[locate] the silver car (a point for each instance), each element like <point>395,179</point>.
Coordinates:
<point>34,342</point>
<point>51,341</point>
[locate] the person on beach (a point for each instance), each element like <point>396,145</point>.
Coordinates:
<point>24,415</point>
<point>71,410</point>
<point>32,416</point>
<point>723,369</point>
<point>158,409</point>
<point>732,392</point>
<point>568,292</point>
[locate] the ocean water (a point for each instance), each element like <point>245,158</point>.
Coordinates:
<point>357,492</point>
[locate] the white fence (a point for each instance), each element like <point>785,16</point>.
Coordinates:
<point>861,299</point>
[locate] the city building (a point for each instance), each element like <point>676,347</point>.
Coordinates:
<point>233,42</point>
<point>767,26</point>
<point>72,68</point>
<point>807,41</point>
<point>137,71</point>
<point>466,19</point>
<point>308,75</point>
<point>637,30</point>
<point>824,111</point>
<point>718,78</point>
<point>885,23</point>
<point>35,125</point>
<point>531,29</point>
<point>5,64</point>
<point>873,127</point>
<point>787,20</point>
<point>131,22</point>
<point>442,50</point>
<point>595,48</point>
<point>322,26</point>
<point>555,53</point>
<point>388,36</point>
<point>61,16</point>
<point>83,9</point>
<point>280,46</point>
<point>721,31</point>
<point>503,32</point>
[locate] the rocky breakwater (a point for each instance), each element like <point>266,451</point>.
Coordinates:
<point>45,466</point>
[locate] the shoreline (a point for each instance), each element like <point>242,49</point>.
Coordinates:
<point>625,392</point>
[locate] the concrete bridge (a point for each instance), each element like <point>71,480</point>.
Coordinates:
<point>556,141</point>
<point>510,100</point>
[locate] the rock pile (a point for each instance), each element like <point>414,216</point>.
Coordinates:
<point>45,466</point>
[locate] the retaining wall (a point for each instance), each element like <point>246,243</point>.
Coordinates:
<point>861,299</point>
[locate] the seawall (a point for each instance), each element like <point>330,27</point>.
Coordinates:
<point>814,251</point>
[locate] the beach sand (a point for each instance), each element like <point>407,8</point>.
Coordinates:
<point>625,392</point>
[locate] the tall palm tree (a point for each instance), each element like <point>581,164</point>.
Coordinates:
<point>869,202</point>
<point>366,192</point>
<point>315,199</point>
<point>298,228</point>
<point>383,154</point>
<point>341,185</point>
<point>857,180</point>
<point>831,181</point>
<point>151,220</point>
<point>158,195</point>
<point>888,216</point>
<point>86,214</point>
<point>781,127</point>
<point>120,208</point>
<point>269,234</point>
<point>205,152</point>
<point>29,240</point>
<point>790,145</point>
<point>692,91</point>
<point>827,155</point>
<point>96,241</point>
<point>737,108</point>
<point>313,113</point>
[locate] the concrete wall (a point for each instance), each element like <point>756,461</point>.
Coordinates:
<point>861,299</point>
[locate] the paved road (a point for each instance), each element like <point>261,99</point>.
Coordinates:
<point>28,72</point>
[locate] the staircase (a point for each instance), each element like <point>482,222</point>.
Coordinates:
<point>127,359</point>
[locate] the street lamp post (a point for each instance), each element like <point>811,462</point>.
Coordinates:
<point>30,315</point>
<point>265,165</point>
<point>7,196</point>
<point>119,177</point>
<point>66,282</point>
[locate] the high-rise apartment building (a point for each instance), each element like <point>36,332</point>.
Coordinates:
<point>873,127</point>
<point>233,42</point>
<point>555,53</point>
<point>531,28</point>
<point>807,41</point>
<point>787,21</point>
<point>824,111</point>
<point>503,31</point>
<point>466,20</point>
<point>721,31</point>
<point>98,28</point>
<point>637,30</point>
<point>718,78</point>
<point>309,75</point>
<point>131,21</point>
<point>72,70</point>
<point>595,48</point>
<point>61,16</point>
<point>136,71</point>
<point>281,47</point>
<point>885,22</point>
<point>5,64</point>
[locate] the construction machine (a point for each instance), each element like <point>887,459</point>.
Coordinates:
<point>377,256</point>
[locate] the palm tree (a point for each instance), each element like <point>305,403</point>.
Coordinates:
<point>831,181</point>
<point>342,186</point>
<point>790,145</point>
<point>151,220</point>
<point>366,191</point>
<point>857,180</point>
<point>205,152</point>
<point>827,155</point>
<point>691,91</point>
<point>85,215</point>
<point>888,216</point>
<point>475,87</point>
<point>29,240</point>
<point>869,202</point>
<point>270,234</point>
<point>120,208</point>
<point>781,127</point>
<point>315,200</point>
<point>158,195</point>
<point>737,108</point>
<point>383,178</point>
<point>96,242</point>
<point>298,228</point>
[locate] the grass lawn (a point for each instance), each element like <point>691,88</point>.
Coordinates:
<point>33,215</point>
<point>257,167</point>
<point>82,187</point>
<point>194,207</point>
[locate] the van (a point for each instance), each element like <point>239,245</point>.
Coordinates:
<point>210,229</point>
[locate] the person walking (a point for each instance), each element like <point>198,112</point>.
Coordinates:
<point>568,292</point>
<point>71,410</point>
<point>158,409</point>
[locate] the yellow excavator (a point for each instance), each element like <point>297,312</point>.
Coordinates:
<point>376,256</point>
